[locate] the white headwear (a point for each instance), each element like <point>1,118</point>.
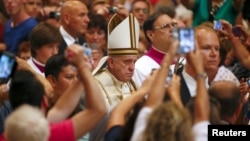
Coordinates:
<point>123,35</point>
<point>123,38</point>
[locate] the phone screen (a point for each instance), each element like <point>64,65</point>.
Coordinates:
<point>217,25</point>
<point>186,40</point>
<point>248,81</point>
<point>7,66</point>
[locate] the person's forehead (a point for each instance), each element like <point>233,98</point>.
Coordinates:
<point>140,4</point>
<point>68,68</point>
<point>206,33</point>
<point>14,1</point>
<point>208,38</point>
<point>80,6</point>
<point>125,57</point>
<point>96,28</point>
<point>34,1</point>
<point>75,5</point>
<point>162,19</point>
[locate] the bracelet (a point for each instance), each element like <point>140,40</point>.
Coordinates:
<point>201,75</point>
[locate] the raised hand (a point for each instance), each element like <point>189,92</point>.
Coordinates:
<point>174,90</point>
<point>227,28</point>
<point>75,55</point>
<point>196,59</point>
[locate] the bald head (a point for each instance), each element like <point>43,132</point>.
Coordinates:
<point>74,17</point>
<point>224,89</point>
<point>228,94</point>
<point>69,6</point>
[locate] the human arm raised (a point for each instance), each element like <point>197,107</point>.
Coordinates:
<point>157,94</point>
<point>66,103</point>
<point>241,53</point>
<point>23,65</point>
<point>85,120</point>
<point>201,103</point>
<point>173,90</point>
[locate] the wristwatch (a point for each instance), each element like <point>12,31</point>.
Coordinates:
<point>201,75</point>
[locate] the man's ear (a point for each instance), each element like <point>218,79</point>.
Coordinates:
<point>52,80</point>
<point>150,34</point>
<point>66,18</point>
<point>110,62</point>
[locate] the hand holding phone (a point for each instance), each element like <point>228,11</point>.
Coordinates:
<point>7,66</point>
<point>248,81</point>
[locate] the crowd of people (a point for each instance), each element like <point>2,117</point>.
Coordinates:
<point>111,70</point>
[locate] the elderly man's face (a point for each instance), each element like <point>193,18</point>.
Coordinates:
<point>77,19</point>
<point>208,43</point>
<point>122,67</point>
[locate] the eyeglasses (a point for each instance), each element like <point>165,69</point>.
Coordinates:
<point>167,25</point>
<point>144,10</point>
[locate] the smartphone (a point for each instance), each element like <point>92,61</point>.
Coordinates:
<point>55,15</point>
<point>186,39</point>
<point>7,66</point>
<point>237,31</point>
<point>217,25</point>
<point>113,9</point>
<point>248,81</point>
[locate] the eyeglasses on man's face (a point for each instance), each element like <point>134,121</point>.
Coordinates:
<point>144,10</point>
<point>167,25</point>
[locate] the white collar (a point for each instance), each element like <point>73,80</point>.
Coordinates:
<point>191,83</point>
<point>66,36</point>
<point>37,62</point>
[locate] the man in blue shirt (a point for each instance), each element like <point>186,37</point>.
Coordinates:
<point>17,29</point>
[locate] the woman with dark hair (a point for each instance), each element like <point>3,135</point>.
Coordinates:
<point>96,37</point>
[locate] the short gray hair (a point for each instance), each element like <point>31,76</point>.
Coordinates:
<point>26,123</point>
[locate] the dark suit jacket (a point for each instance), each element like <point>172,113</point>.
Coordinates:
<point>63,45</point>
<point>185,94</point>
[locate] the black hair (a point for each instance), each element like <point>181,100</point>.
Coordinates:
<point>246,10</point>
<point>25,88</point>
<point>55,64</point>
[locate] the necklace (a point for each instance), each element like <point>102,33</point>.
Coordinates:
<point>215,8</point>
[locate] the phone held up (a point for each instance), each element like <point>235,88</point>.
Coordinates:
<point>217,25</point>
<point>7,66</point>
<point>186,40</point>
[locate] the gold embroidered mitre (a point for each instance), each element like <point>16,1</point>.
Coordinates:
<point>123,35</point>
